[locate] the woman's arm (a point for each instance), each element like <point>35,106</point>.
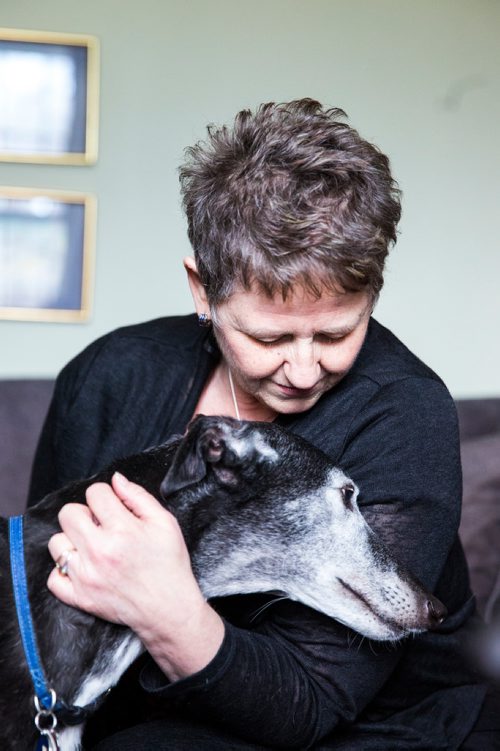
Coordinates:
<point>71,430</point>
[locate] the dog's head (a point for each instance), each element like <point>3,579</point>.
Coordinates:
<point>262,510</point>
<point>218,465</point>
<point>251,472</point>
<point>228,449</point>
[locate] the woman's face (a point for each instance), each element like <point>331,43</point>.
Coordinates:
<point>288,353</point>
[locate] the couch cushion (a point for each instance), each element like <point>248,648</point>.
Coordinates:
<point>480,525</point>
<point>23,406</point>
<point>478,417</point>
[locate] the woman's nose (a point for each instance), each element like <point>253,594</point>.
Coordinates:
<point>302,368</point>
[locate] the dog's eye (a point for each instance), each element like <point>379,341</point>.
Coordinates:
<point>348,495</point>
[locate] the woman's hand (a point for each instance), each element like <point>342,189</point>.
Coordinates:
<point>130,565</point>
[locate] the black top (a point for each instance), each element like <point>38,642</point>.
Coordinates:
<point>293,677</point>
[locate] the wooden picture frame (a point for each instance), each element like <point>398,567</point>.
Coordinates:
<point>49,97</point>
<point>47,240</point>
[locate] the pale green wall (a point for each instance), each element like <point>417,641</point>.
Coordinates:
<point>419,77</point>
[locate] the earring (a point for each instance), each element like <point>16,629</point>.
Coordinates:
<point>204,321</point>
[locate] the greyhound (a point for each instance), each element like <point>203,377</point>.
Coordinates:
<point>260,510</point>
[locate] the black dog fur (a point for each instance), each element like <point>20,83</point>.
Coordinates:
<point>221,480</point>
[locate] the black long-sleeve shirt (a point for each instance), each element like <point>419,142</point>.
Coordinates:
<point>292,678</point>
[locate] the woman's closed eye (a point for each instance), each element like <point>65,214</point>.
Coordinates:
<point>273,342</point>
<point>329,338</point>
<point>286,338</point>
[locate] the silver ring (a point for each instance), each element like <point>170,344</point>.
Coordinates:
<point>63,561</point>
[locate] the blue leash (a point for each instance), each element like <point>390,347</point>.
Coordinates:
<point>20,585</point>
<point>48,708</point>
<point>45,698</point>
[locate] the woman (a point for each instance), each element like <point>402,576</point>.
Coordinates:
<point>291,215</point>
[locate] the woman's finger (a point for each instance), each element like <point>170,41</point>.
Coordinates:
<point>58,544</point>
<point>77,523</point>
<point>111,505</point>
<point>61,585</point>
<point>137,500</point>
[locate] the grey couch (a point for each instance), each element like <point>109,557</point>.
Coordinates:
<point>23,404</point>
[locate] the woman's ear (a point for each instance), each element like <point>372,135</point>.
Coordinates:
<point>197,289</point>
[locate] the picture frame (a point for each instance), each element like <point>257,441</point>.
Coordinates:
<point>49,97</point>
<point>47,240</point>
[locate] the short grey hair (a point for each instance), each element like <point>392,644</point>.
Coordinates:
<point>289,195</point>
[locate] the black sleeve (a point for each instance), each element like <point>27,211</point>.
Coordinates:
<point>48,472</point>
<point>62,452</point>
<point>286,684</point>
<point>299,675</point>
<point>113,400</point>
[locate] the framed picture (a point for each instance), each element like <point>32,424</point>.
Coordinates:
<point>46,254</point>
<point>49,97</point>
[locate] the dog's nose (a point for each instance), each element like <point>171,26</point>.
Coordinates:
<point>436,611</point>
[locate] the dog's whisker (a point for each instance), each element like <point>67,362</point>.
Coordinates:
<point>360,643</point>
<point>266,605</point>
<point>352,638</point>
<point>372,647</point>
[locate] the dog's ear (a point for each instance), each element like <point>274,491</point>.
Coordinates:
<point>204,444</point>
